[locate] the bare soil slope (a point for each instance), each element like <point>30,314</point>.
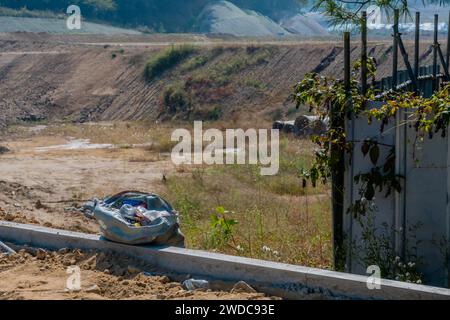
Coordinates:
<point>80,79</point>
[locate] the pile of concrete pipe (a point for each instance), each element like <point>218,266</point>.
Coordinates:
<point>303,126</point>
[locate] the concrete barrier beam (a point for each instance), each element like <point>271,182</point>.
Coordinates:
<point>283,280</point>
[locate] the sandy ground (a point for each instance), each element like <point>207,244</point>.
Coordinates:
<point>37,274</point>
<point>48,187</point>
<point>44,184</point>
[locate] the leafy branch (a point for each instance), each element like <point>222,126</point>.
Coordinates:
<point>348,12</point>
<point>325,95</point>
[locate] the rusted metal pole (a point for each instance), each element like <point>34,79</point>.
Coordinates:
<point>443,63</point>
<point>416,46</point>
<point>411,75</point>
<point>337,118</point>
<point>395,50</point>
<point>435,52</point>
<point>347,67</point>
<point>364,53</point>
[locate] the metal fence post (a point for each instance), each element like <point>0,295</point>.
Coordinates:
<point>364,53</point>
<point>395,51</point>
<point>416,46</point>
<point>435,53</point>
<point>448,43</point>
<point>337,118</point>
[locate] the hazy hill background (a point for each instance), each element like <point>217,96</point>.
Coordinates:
<point>232,17</point>
<point>158,15</point>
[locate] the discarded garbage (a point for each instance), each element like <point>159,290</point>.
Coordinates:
<point>193,284</point>
<point>6,249</point>
<point>133,217</point>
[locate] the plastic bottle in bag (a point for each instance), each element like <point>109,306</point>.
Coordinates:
<point>193,284</point>
<point>128,212</point>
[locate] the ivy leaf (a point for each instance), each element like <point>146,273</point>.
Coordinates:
<point>214,220</point>
<point>365,148</point>
<point>389,165</point>
<point>397,186</point>
<point>370,192</point>
<point>378,179</point>
<point>231,222</point>
<point>374,154</point>
<point>220,210</point>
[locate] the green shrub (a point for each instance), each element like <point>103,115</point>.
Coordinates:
<point>194,63</point>
<point>221,229</point>
<point>221,73</point>
<point>215,113</point>
<point>166,60</point>
<point>257,84</point>
<point>175,98</point>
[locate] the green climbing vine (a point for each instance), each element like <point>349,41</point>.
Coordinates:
<point>329,99</point>
<point>326,96</point>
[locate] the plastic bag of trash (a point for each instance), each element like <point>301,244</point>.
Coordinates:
<point>133,217</point>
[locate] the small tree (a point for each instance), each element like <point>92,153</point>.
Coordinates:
<point>342,12</point>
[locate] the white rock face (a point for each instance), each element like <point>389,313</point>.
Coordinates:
<point>305,25</point>
<point>223,17</point>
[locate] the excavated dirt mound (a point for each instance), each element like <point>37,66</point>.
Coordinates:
<point>38,274</point>
<point>24,204</point>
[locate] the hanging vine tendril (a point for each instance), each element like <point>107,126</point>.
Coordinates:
<point>429,116</point>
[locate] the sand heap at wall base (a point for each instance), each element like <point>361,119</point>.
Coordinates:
<point>39,274</point>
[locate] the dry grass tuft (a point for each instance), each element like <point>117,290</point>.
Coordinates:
<point>277,219</point>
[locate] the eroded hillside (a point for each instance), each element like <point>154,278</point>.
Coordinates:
<point>85,79</point>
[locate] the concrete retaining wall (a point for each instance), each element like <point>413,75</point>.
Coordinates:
<point>417,219</point>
